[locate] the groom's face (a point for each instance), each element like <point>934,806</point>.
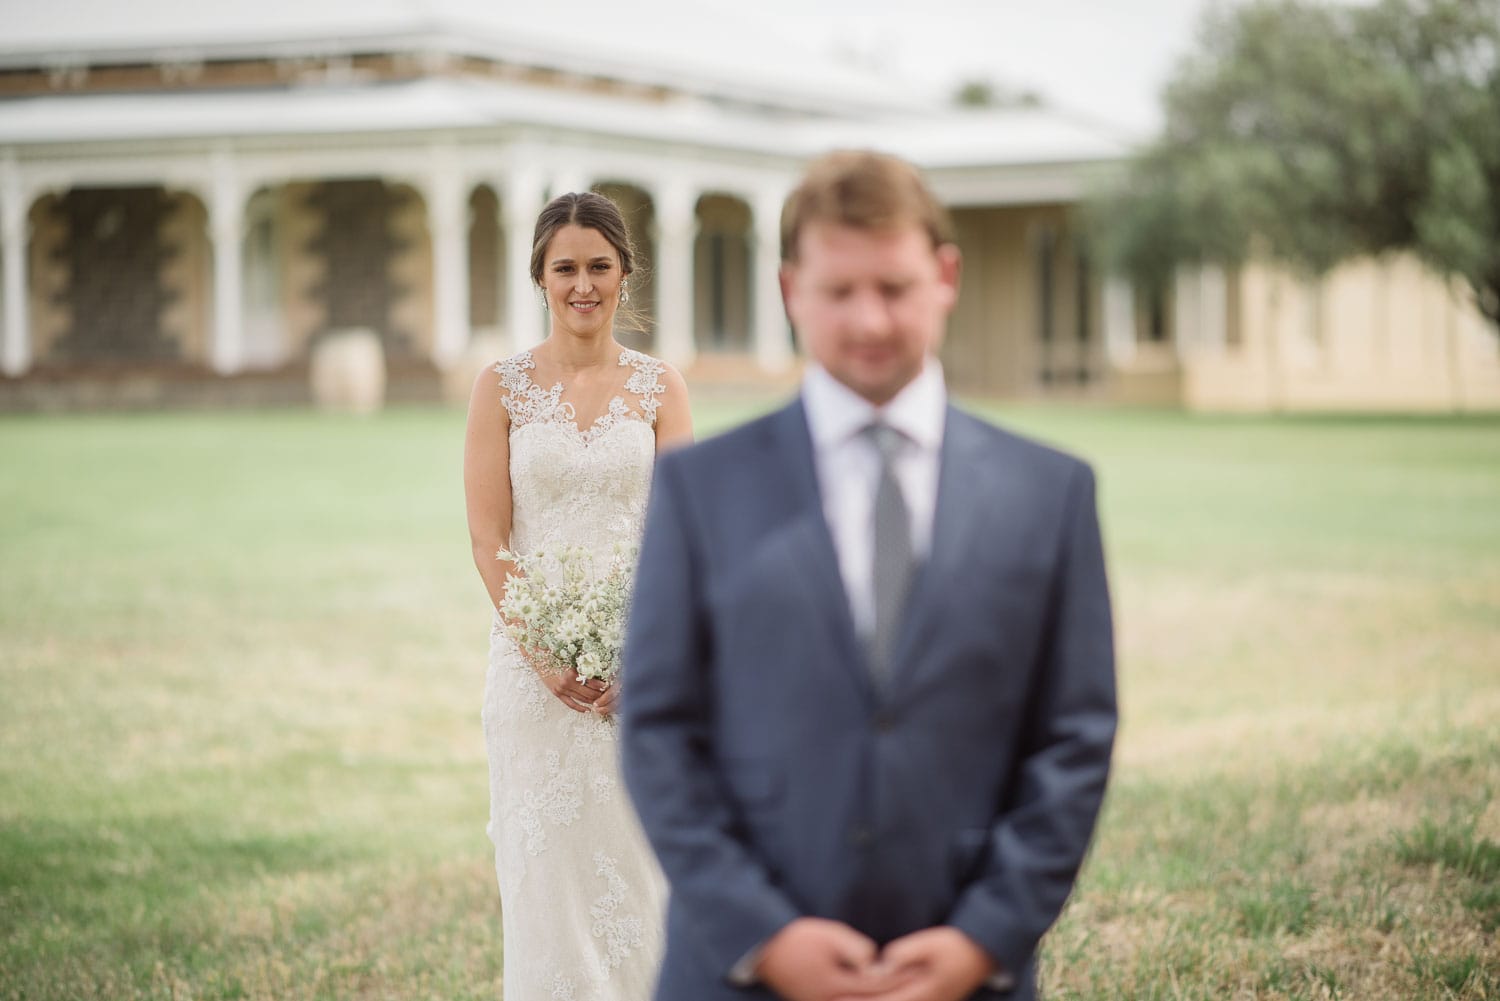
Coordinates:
<point>870,305</point>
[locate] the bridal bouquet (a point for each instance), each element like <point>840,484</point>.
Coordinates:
<point>562,611</point>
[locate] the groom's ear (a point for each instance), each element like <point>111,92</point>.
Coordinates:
<point>787,277</point>
<point>950,269</point>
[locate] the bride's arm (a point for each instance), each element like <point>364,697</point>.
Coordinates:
<point>674,417</point>
<point>487,482</point>
<point>488,500</point>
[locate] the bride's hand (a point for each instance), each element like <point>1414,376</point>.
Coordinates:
<point>564,684</point>
<point>609,694</point>
<point>577,696</point>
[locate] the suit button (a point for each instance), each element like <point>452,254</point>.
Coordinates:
<point>885,722</point>
<point>861,837</point>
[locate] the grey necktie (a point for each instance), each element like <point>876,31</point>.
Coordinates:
<point>893,551</point>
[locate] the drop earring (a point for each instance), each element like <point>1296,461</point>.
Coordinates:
<point>541,295</point>
<point>624,292</point>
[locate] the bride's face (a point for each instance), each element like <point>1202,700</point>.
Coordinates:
<point>581,278</point>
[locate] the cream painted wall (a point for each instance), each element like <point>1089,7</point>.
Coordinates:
<point>1385,335</point>
<point>990,346</point>
<point>994,344</point>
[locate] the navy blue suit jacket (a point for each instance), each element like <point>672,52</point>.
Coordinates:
<point>772,777</point>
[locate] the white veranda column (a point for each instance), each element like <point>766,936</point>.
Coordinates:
<point>1187,309</point>
<point>676,229</point>
<point>773,345</point>
<point>15,349</point>
<point>1213,307</point>
<point>447,216</point>
<point>520,203</point>
<point>1119,321</point>
<point>226,224</point>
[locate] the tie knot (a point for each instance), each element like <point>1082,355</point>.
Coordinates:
<point>888,441</point>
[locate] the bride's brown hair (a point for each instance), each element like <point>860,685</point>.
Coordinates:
<point>589,210</point>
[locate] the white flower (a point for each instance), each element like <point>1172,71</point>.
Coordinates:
<point>569,607</point>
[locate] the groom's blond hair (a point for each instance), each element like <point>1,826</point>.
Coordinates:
<point>865,190</point>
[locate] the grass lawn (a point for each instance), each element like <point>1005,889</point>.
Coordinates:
<point>242,654</point>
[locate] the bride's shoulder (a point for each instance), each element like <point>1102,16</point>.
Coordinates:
<point>641,361</point>
<point>652,368</point>
<point>508,369</point>
<point>507,394</point>
<point>659,389</point>
<point>653,377</point>
<point>517,364</point>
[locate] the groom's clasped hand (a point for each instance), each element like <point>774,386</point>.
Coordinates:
<point>814,959</point>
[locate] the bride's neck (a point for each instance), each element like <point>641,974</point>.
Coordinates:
<point>572,353</point>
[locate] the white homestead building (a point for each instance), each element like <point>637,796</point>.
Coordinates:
<point>193,196</point>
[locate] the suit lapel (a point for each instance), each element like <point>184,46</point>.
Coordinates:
<point>818,560</point>
<point>967,494</point>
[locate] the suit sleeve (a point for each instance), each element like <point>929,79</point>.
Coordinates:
<point>1038,840</point>
<point>719,889</point>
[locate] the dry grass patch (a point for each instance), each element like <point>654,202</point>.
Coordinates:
<point>1360,874</point>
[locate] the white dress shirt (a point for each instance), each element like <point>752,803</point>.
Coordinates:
<point>848,468</point>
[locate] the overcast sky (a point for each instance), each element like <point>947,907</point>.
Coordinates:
<point>1109,57</point>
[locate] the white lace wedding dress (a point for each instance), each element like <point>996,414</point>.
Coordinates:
<point>580,893</point>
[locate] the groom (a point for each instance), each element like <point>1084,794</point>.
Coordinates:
<point>869,686</point>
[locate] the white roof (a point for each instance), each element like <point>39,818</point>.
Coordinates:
<point>727,54</point>
<point>937,140</point>
<point>757,99</point>
<point>980,137</point>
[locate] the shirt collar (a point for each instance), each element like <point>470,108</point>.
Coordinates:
<point>835,413</point>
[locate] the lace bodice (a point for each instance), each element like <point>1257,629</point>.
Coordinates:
<point>579,486</point>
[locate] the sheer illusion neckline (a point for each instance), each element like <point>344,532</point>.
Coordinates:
<point>569,413</point>
<point>529,402</point>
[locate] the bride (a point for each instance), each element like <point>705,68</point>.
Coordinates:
<point>558,452</point>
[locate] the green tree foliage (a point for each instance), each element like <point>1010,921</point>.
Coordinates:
<point>983,93</point>
<point>1314,133</point>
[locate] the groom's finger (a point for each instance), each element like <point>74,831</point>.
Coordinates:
<point>867,986</point>
<point>908,987</point>
<point>861,972</point>
<point>854,949</point>
<point>816,958</point>
<point>908,950</point>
